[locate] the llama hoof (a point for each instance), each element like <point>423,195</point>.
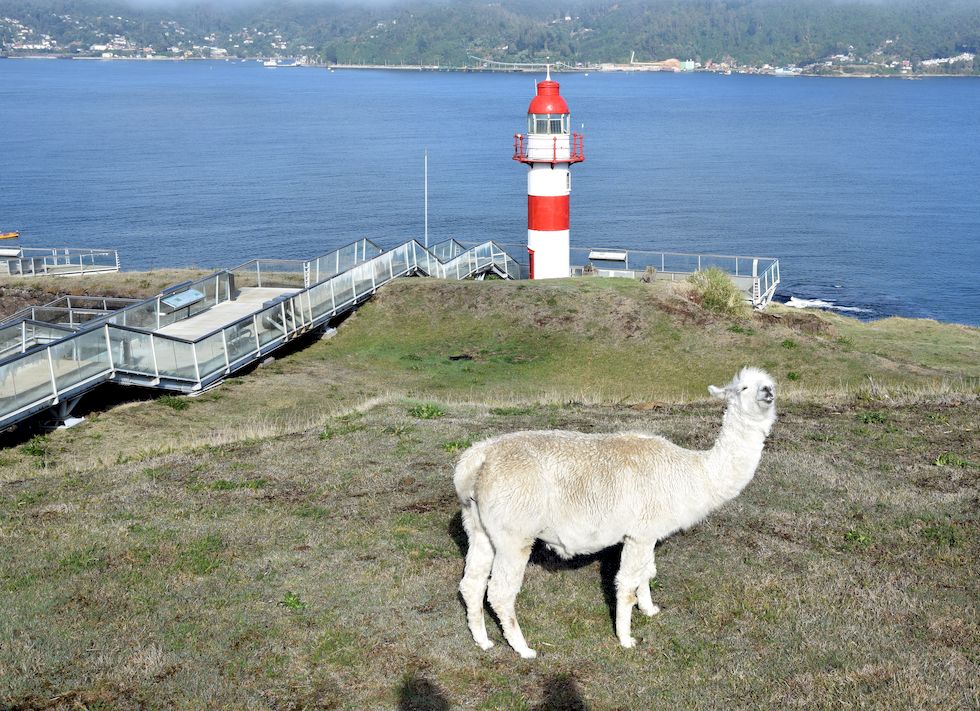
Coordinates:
<point>484,644</point>
<point>628,643</point>
<point>650,611</point>
<point>527,653</point>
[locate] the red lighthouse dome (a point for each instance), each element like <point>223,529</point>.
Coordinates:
<point>548,100</point>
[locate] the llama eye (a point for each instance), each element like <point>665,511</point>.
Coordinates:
<point>745,388</point>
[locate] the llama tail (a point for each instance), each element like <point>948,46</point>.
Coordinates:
<point>467,472</point>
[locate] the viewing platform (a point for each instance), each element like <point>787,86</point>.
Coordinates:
<point>61,261</point>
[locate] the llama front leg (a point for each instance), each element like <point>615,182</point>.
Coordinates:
<point>633,566</point>
<point>643,599</point>
<point>473,586</point>
<point>509,562</point>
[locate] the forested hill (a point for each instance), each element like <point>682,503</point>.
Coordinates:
<point>751,32</point>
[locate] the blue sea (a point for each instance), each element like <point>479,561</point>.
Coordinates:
<point>867,190</point>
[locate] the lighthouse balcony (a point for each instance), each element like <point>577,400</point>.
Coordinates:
<point>530,148</point>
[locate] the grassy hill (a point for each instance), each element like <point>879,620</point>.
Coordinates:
<point>291,538</point>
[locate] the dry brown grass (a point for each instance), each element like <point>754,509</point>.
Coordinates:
<point>843,576</point>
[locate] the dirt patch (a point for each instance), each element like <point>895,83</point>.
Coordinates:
<point>804,323</point>
<point>686,312</point>
<point>14,298</point>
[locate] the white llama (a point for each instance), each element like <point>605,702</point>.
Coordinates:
<point>580,493</point>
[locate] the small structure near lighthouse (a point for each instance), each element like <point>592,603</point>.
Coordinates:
<point>548,149</point>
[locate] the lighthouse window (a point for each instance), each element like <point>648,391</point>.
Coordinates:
<point>553,124</point>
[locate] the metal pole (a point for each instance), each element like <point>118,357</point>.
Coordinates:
<point>426,198</point>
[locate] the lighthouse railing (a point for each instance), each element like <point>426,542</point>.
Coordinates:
<point>548,148</point>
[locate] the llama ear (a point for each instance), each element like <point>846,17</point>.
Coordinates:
<point>717,392</point>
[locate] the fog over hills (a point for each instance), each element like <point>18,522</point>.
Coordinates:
<point>747,32</point>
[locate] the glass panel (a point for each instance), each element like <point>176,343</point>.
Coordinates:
<point>241,340</point>
<point>320,299</point>
<point>211,354</point>
<point>382,269</point>
<point>344,288</point>
<point>246,275</point>
<point>79,358</point>
<point>174,358</point>
<point>25,381</point>
<point>142,315</point>
<point>269,324</point>
<point>131,351</point>
<point>362,279</point>
<point>10,340</point>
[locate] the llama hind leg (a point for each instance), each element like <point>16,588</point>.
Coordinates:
<point>643,599</point>
<point>473,586</point>
<point>505,582</point>
<point>633,566</point>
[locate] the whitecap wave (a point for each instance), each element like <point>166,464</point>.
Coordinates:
<point>796,303</point>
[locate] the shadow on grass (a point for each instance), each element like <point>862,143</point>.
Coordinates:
<point>561,694</point>
<point>417,693</point>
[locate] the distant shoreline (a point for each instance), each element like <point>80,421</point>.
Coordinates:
<point>481,70</point>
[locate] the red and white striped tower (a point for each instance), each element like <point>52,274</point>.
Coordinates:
<point>548,149</point>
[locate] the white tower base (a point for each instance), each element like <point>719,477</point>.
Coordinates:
<point>551,256</point>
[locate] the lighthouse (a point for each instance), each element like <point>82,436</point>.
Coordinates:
<point>548,149</point>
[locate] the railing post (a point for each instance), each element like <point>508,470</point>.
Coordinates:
<point>54,380</point>
<point>197,366</point>
<point>258,273</point>
<point>108,348</point>
<point>153,352</point>
<point>224,342</point>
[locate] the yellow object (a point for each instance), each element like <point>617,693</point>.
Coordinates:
<point>9,235</point>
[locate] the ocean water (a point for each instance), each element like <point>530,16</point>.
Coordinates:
<point>868,191</point>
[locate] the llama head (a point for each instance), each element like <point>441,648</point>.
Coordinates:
<point>752,393</point>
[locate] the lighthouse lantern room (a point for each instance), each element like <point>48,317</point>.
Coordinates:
<point>548,149</point>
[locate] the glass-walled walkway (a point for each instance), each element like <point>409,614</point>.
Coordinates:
<point>195,333</point>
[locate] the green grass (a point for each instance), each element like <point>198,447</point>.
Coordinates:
<point>426,411</point>
<point>174,402</point>
<point>716,292</point>
<point>296,542</point>
<point>951,459</point>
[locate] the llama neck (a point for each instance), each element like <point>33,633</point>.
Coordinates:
<point>735,456</point>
